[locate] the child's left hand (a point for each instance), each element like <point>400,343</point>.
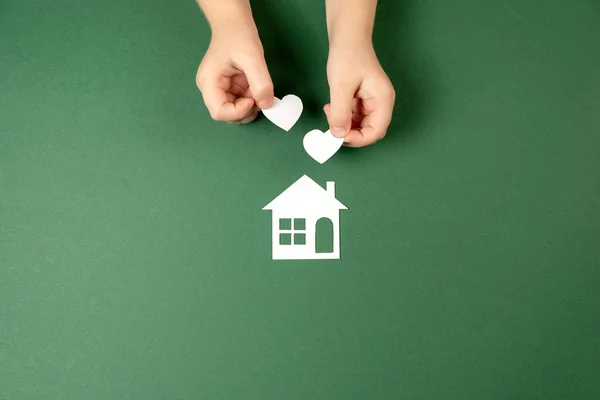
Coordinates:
<point>362,96</point>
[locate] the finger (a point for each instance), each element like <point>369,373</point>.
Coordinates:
<point>259,80</point>
<point>373,129</point>
<point>250,117</point>
<point>327,110</point>
<point>340,116</point>
<point>238,90</point>
<point>239,85</point>
<point>357,114</point>
<point>222,108</point>
<point>356,138</point>
<point>376,123</point>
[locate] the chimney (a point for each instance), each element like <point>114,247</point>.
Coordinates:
<point>331,188</point>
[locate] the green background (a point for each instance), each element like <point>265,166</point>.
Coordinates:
<point>135,258</point>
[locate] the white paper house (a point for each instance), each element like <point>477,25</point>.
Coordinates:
<point>297,213</point>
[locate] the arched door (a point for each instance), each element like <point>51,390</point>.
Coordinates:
<point>324,236</point>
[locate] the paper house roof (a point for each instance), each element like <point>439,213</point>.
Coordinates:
<point>305,195</point>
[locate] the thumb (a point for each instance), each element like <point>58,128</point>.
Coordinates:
<point>259,80</point>
<point>340,115</point>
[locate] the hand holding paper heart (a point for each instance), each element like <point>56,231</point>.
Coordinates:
<point>233,76</point>
<point>362,96</point>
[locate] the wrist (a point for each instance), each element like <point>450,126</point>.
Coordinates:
<point>235,28</point>
<point>349,29</point>
<point>350,22</point>
<point>350,39</point>
<point>229,15</point>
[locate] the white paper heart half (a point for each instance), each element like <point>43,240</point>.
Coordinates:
<point>321,145</point>
<point>285,112</point>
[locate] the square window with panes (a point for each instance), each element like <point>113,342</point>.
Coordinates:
<point>292,231</point>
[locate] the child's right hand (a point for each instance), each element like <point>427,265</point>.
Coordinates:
<point>233,76</point>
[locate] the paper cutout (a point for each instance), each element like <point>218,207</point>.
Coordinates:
<point>296,213</point>
<point>285,112</point>
<point>321,145</point>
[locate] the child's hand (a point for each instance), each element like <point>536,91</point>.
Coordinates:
<point>233,76</point>
<point>362,96</point>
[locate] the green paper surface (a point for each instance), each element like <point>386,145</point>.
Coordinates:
<point>135,258</point>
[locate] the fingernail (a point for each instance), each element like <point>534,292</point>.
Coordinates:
<point>338,132</point>
<point>264,104</point>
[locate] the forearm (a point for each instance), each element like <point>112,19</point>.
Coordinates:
<point>227,14</point>
<point>350,21</point>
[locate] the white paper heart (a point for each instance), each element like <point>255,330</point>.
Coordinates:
<point>285,112</point>
<point>321,145</point>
